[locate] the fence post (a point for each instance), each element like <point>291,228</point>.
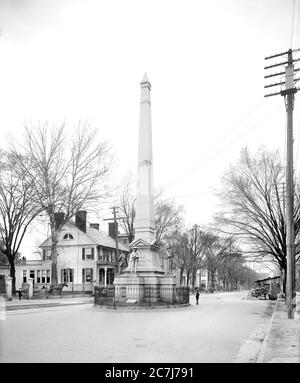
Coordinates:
<point>9,288</point>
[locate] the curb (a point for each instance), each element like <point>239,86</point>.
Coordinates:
<point>37,306</point>
<point>263,349</point>
<point>141,308</point>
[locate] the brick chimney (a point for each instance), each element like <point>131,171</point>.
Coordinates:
<point>58,219</point>
<point>80,220</point>
<point>94,226</point>
<point>111,229</point>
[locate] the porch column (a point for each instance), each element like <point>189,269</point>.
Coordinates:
<point>30,288</point>
<point>105,275</point>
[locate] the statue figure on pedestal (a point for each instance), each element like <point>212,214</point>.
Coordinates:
<point>170,262</point>
<point>122,262</point>
<point>133,260</point>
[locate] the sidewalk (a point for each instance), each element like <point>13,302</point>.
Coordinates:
<point>282,343</point>
<point>16,304</point>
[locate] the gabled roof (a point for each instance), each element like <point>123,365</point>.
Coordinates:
<point>92,236</point>
<point>101,238</point>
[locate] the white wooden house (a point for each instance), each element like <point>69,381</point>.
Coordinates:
<point>86,257</point>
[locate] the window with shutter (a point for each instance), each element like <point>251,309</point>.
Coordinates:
<point>93,252</point>
<point>83,253</point>
<point>43,276</point>
<point>87,275</point>
<point>71,271</point>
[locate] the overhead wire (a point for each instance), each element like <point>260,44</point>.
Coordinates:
<point>181,196</point>
<point>293,22</point>
<point>222,149</point>
<point>297,125</point>
<point>220,140</point>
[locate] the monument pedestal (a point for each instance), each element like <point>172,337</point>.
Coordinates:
<point>147,282</point>
<point>152,289</point>
<point>134,288</point>
<point>129,288</point>
<point>168,289</point>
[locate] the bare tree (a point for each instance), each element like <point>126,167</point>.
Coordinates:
<point>167,215</point>
<point>199,240</point>
<point>167,218</point>
<point>126,212</point>
<point>216,249</point>
<point>180,248</point>
<point>188,249</point>
<point>230,267</point>
<point>66,173</point>
<point>17,209</point>
<point>253,198</point>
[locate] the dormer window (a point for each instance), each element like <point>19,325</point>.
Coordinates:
<point>68,236</point>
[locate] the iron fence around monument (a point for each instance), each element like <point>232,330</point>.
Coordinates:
<point>182,294</point>
<point>2,285</point>
<point>104,296</point>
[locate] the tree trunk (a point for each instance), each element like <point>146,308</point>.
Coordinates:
<point>11,260</point>
<point>188,278</point>
<point>194,280</point>
<point>181,276</point>
<point>211,281</point>
<point>54,278</point>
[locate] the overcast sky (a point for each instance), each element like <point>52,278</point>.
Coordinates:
<point>64,59</point>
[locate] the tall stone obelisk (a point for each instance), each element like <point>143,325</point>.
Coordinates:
<point>144,219</point>
<point>144,240</point>
<point>144,280</point>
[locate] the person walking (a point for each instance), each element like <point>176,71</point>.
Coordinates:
<point>20,293</point>
<point>197,296</point>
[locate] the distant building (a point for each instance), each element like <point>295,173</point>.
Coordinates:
<point>202,279</point>
<point>86,257</point>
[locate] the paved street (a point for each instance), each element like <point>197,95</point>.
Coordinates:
<point>215,331</point>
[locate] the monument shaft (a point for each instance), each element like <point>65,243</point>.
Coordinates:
<point>144,221</point>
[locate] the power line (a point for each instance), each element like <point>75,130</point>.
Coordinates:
<point>293,22</point>
<point>182,195</point>
<point>222,149</point>
<point>223,137</point>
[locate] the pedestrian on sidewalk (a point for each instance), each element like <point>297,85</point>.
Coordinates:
<point>197,296</point>
<point>20,293</point>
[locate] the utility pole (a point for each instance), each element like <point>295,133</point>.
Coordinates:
<point>283,198</point>
<point>288,92</point>
<point>115,211</point>
<point>195,247</point>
